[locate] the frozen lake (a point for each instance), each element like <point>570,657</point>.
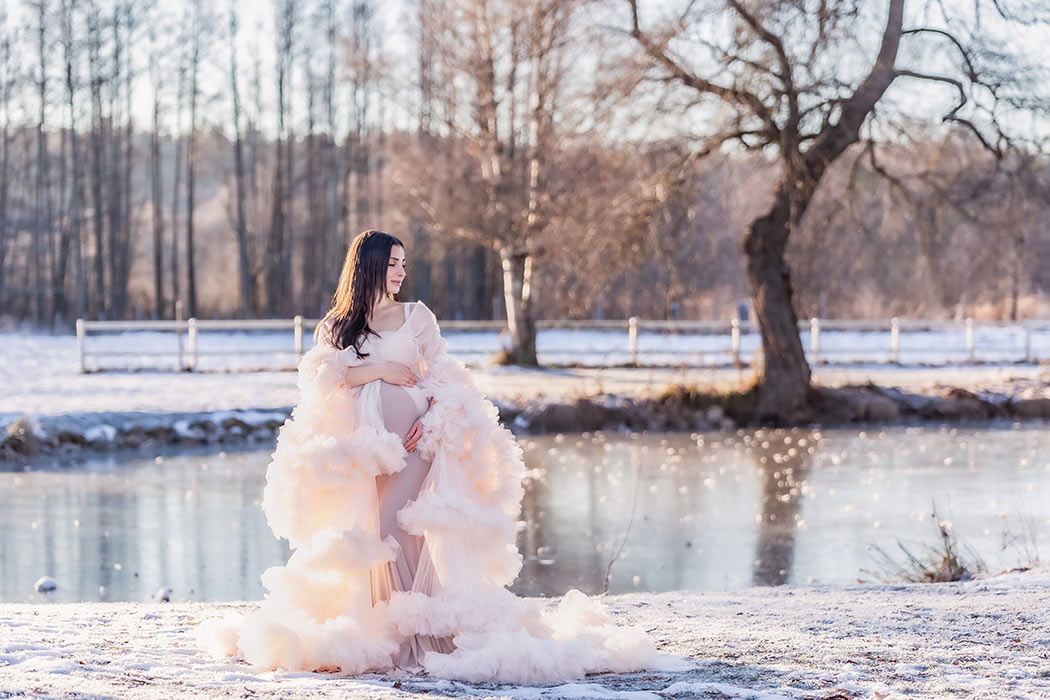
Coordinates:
<point>691,512</point>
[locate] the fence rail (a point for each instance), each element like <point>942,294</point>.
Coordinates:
<point>813,334</point>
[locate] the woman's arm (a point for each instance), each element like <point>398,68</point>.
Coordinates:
<point>391,372</point>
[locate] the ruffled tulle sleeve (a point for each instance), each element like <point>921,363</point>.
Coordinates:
<point>328,450</point>
<point>437,369</point>
<point>428,336</point>
<point>323,367</point>
<point>462,429</point>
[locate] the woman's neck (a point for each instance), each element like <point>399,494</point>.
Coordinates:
<point>384,302</point>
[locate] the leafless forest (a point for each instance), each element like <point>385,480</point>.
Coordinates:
<point>540,158</point>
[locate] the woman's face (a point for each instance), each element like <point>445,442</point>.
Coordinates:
<point>395,270</point>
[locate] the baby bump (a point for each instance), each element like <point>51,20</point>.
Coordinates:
<point>400,406</point>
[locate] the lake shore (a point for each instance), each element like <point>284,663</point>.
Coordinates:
<point>982,639</point>
<point>142,411</point>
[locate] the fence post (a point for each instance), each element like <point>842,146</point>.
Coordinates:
<point>80,344</point>
<point>735,340</point>
<point>178,332</point>
<point>895,340</point>
<point>970,344</point>
<point>814,338</point>
<point>191,341</point>
<point>298,325</point>
<point>632,338</point>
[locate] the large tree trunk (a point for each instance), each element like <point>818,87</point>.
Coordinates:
<point>517,294</point>
<point>784,386</point>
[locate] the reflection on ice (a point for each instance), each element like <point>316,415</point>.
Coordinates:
<point>646,512</point>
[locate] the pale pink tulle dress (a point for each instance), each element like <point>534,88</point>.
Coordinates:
<point>401,559</point>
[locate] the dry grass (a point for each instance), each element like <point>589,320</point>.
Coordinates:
<point>949,559</point>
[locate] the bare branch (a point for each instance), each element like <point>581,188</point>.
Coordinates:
<point>857,107</point>
<point>971,71</point>
<point>952,116</point>
<point>774,41</point>
<point>686,77</point>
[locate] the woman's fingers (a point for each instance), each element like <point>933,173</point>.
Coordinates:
<point>414,433</point>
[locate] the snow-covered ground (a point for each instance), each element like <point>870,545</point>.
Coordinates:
<point>39,375</point>
<point>984,639</point>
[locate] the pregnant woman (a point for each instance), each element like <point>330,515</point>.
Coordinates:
<point>398,491</point>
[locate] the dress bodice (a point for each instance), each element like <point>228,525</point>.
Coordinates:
<point>393,346</point>
<point>397,345</point>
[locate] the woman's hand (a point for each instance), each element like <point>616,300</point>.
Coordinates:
<point>397,373</point>
<point>414,433</point>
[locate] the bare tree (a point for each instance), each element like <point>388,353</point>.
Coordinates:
<point>41,222</point>
<point>278,253</point>
<point>197,24</point>
<point>514,58</point>
<point>156,179</point>
<point>96,79</point>
<point>247,304</point>
<point>73,232</point>
<point>6,86</point>
<point>779,78</point>
<point>358,157</point>
<point>120,130</point>
<point>333,243</point>
<point>176,188</point>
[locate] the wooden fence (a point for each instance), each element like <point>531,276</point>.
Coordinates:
<point>186,352</point>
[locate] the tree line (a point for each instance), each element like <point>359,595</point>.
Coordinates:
<point>580,158</point>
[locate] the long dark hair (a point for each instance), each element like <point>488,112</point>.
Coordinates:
<point>362,283</point>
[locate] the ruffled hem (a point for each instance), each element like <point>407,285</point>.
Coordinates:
<point>330,550</point>
<point>498,637</point>
<point>451,514</point>
<point>505,638</point>
<point>340,644</point>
